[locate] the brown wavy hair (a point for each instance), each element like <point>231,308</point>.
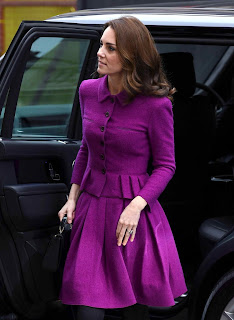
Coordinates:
<point>142,68</point>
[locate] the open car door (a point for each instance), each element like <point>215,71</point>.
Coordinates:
<point>40,137</point>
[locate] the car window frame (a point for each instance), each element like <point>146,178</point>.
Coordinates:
<point>75,122</point>
<point>20,53</point>
<point>24,30</point>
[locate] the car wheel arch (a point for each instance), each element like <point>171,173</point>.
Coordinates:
<point>205,281</point>
<point>219,304</point>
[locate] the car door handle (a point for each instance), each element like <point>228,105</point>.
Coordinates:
<point>53,175</point>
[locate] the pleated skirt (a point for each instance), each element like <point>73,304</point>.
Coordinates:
<point>99,273</point>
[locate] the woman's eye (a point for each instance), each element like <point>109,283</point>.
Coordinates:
<point>111,49</point>
<point>101,44</point>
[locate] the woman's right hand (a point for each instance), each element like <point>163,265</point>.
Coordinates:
<point>68,209</point>
<point>70,206</point>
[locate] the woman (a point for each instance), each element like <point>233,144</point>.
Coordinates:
<point>122,252</point>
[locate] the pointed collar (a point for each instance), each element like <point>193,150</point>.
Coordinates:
<point>104,93</point>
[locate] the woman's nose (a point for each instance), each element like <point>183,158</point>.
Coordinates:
<point>100,52</point>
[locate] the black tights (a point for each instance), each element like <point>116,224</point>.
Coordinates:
<point>87,313</point>
<point>135,312</point>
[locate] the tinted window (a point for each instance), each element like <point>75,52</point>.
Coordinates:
<point>48,86</point>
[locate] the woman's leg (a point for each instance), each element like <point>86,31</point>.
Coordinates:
<point>136,312</point>
<point>87,313</point>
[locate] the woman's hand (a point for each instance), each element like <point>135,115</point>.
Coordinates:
<point>68,209</point>
<point>70,206</point>
<point>128,220</point>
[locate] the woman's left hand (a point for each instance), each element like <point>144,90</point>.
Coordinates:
<point>128,221</point>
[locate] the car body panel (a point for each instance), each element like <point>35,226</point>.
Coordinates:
<point>156,20</point>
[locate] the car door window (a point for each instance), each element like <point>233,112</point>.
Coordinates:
<point>48,86</point>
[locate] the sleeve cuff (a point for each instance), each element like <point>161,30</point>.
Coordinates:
<point>150,202</point>
<point>76,179</point>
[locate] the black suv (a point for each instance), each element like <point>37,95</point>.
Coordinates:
<point>41,133</point>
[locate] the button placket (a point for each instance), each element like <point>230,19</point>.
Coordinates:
<point>102,155</point>
<point>107,115</point>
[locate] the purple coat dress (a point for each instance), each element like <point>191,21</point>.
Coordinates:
<point>111,169</point>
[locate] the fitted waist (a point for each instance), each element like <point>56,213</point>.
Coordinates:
<point>111,184</point>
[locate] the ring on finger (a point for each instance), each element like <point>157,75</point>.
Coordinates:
<point>130,232</point>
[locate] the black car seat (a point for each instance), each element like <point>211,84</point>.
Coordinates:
<point>194,124</point>
<point>214,230</point>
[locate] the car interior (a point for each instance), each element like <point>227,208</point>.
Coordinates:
<point>198,200</point>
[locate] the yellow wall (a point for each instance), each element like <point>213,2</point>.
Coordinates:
<point>13,15</point>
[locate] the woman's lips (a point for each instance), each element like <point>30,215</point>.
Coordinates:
<point>102,63</point>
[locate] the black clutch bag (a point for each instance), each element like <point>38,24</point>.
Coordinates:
<point>57,249</point>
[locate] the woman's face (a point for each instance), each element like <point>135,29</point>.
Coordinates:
<point>108,57</point>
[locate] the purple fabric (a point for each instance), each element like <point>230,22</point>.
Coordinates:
<point>111,168</point>
<point>132,133</point>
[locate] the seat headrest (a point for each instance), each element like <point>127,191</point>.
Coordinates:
<point>180,72</point>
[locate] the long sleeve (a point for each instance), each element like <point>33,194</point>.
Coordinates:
<point>161,140</point>
<point>82,155</point>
